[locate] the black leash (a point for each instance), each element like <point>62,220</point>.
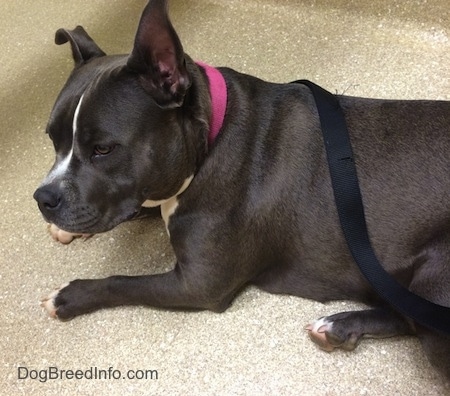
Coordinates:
<point>350,208</point>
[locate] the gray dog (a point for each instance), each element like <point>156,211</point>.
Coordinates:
<point>238,167</point>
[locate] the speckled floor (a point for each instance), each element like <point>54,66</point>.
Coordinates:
<point>389,49</point>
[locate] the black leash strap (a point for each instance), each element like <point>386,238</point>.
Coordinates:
<point>351,214</point>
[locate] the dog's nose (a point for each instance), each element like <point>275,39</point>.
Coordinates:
<point>48,199</point>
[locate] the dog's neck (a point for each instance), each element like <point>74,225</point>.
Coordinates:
<point>218,93</point>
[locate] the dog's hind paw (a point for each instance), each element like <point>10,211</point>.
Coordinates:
<point>321,333</point>
<point>317,332</point>
<point>64,236</point>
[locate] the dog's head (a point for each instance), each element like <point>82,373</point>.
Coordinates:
<point>126,129</point>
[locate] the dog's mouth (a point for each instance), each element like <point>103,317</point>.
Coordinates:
<point>90,224</point>
<point>78,216</point>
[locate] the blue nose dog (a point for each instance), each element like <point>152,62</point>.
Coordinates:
<point>238,167</point>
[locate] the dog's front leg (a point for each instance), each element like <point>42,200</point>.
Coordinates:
<point>168,290</point>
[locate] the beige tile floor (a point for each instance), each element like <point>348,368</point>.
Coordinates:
<point>382,48</point>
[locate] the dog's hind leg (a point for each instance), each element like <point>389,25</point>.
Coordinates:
<point>344,330</point>
<point>432,281</point>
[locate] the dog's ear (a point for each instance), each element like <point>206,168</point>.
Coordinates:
<point>83,47</point>
<point>158,57</point>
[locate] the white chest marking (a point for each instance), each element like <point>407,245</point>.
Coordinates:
<point>168,209</point>
<point>169,205</point>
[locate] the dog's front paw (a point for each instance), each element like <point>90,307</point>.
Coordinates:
<point>64,236</point>
<point>322,333</point>
<point>75,298</point>
<point>49,303</point>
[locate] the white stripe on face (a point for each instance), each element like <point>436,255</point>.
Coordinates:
<point>63,165</point>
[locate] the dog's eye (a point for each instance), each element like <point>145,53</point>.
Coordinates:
<point>103,150</point>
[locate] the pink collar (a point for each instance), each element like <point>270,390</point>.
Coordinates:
<point>218,92</point>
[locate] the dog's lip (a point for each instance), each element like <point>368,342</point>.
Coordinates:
<point>95,227</point>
